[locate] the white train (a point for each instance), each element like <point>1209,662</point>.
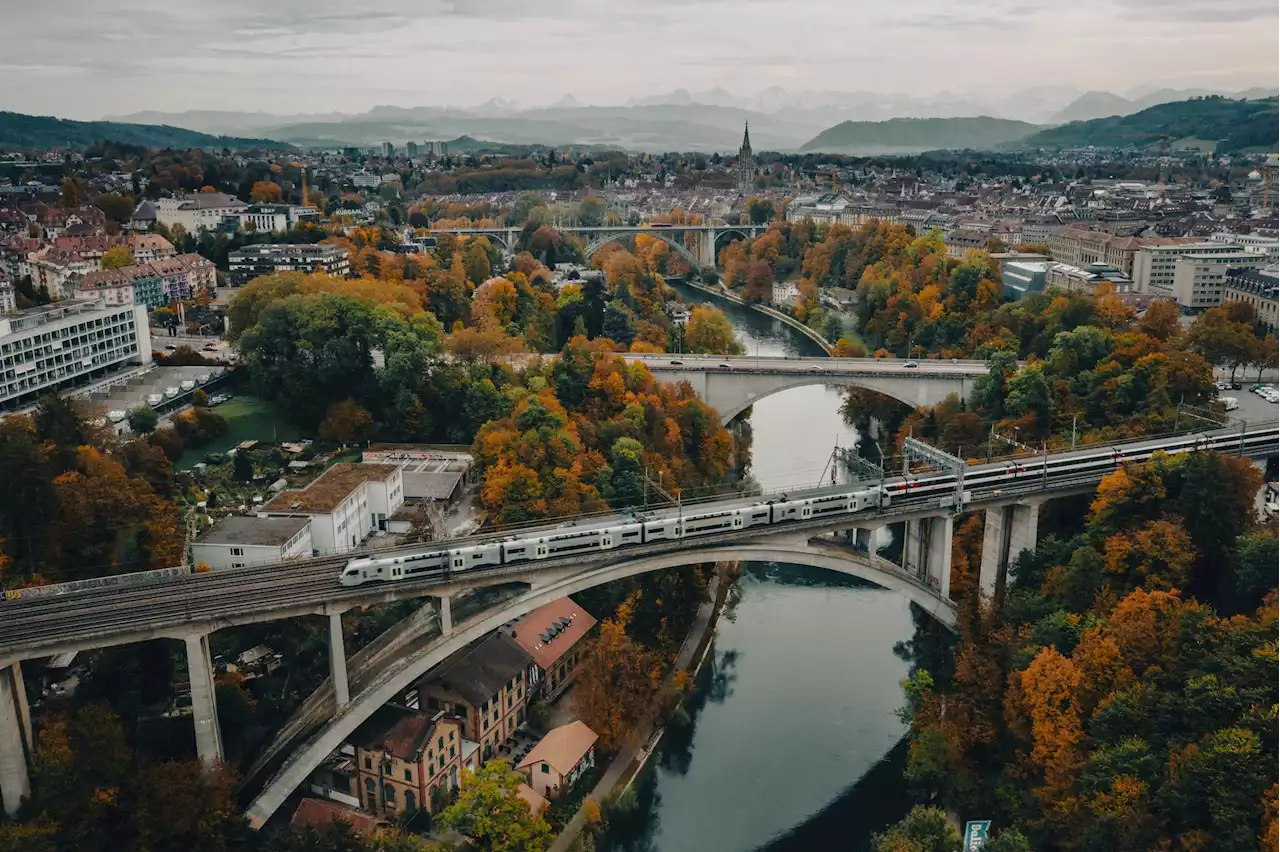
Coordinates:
<point>612,533</point>
<point>605,535</point>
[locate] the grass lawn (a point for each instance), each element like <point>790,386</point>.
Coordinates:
<point>248,418</point>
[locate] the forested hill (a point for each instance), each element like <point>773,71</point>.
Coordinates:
<point>18,131</point>
<point>1233,124</point>
<point>907,135</point>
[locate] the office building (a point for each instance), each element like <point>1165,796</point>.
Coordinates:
<point>388,150</point>
<point>411,149</point>
<point>1154,265</point>
<point>1199,280</point>
<point>252,261</point>
<point>61,344</point>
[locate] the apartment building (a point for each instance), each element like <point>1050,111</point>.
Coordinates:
<point>1080,247</point>
<point>250,262</point>
<point>154,284</point>
<point>407,761</point>
<point>53,346</point>
<point>1257,287</point>
<point>1199,280</point>
<point>1154,265</point>
<point>346,504</point>
<point>486,685</point>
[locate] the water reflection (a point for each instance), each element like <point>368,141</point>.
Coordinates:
<point>790,725</point>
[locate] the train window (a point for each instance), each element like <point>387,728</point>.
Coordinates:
<point>477,555</point>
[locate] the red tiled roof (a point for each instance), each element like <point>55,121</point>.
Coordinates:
<point>318,813</point>
<point>550,630</point>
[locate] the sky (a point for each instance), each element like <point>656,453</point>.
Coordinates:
<point>87,59</point>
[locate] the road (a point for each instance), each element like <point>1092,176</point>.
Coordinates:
<point>830,366</point>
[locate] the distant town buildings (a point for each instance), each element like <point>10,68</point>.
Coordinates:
<point>1259,288</point>
<point>203,211</point>
<point>252,261</point>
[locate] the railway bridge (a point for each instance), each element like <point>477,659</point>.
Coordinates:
<point>190,607</point>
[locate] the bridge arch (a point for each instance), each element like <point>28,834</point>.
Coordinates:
<point>678,247</point>
<point>397,678</point>
<point>911,400</point>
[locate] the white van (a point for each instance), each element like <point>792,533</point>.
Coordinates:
<point>1229,403</point>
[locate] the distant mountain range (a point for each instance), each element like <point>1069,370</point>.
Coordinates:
<point>39,131</point>
<point>1103,104</point>
<point>914,135</point>
<point>1215,122</point>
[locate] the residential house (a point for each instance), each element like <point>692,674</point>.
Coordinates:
<point>553,635</point>
<point>964,240</point>
<point>58,271</point>
<point>14,255</point>
<point>237,541</point>
<point>560,758</point>
<point>486,684</point>
<point>407,761</point>
<point>8,296</point>
<point>346,504</point>
<point>144,217</point>
<point>56,221</point>
<point>115,287</point>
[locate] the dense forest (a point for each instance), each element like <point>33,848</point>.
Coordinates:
<point>1233,124</point>
<point>18,131</point>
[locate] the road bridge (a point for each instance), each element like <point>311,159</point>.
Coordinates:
<point>190,607</point>
<point>703,254</point>
<point>731,384</point>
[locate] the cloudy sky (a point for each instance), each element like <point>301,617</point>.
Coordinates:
<point>91,58</point>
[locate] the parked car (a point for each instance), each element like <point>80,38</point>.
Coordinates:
<point>171,391</point>
<point>155,398</point>
<point>115,415</point>
<point>911,365</point>
<point>723,366</point>
<point>188,384</point>
<point>676,363</point>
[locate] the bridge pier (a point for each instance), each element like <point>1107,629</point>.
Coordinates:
<point>914,533</point>
<point>446,614</point>
<point>338,661</point>
<point>15,783</point>
<point>1009,530</point>
<point>939,559</point>
<point>204,701</point>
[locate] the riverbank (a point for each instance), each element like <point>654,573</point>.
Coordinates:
<point>720,292</point>
<point>629,762</point>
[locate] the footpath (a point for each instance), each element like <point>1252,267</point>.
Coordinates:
<point>631,759</point>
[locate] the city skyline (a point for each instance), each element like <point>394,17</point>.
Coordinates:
<point>291,57</point>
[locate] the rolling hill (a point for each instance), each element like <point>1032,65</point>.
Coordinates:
<point>18,131</point>
<point>912,135</point>
<point>1233,124</point>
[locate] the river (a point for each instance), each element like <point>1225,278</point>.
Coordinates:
<point>792,742</point>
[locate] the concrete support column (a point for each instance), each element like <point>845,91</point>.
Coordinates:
<point>204,701</point>
<point>24,708</point>
<point>15,784</point>
<point>863,539</point>
<point>446,615</point>
<point>913,554</point>
<point>939,561</point>
<point>338,661</point>
<point>707,249</point>
<point>1009,531</point>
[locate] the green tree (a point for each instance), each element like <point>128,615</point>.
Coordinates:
<point>924,829</point>
<point>591,212</point>
<point>70,194</point>
<point>143,419</point>
<point>491,814</point>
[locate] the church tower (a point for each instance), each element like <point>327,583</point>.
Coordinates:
<point>746,163</point>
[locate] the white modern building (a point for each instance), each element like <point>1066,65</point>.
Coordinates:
<point>1199,280</point>
<point>1154,265</point>
<point>57,345</point>
<point>199,212</point>
<point>346,504</point>
<point>239,541</point>
<point>268,218</point>
<point>250,262</point>
<point>1256,243</point>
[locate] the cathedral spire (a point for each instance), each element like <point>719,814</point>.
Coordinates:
<point>746,163</point>
<point>746,140</point>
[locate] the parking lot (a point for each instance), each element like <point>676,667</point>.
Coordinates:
<point>1253,408</point>
<point>140,390</point>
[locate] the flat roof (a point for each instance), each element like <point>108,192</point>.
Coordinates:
<point>329,489</point>
<point>243,529</point>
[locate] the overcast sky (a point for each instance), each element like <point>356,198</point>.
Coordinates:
<point>90,58</point>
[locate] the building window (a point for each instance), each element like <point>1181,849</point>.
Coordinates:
<point>368,764</point>
<point>369,785</point>
<point>410,802</point>
<point>440,742</point>
<point>389,794</point>
<point>237,551</point>
<point>545,769</point>
<point>408,775</point>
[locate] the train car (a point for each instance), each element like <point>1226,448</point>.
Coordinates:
<point>709,523</point>
<point>581,541</point>
<point>833,504</point>
<point>790,510</point>
<point>666,529</point>
<point>757,515</point>
<point>476,556</point>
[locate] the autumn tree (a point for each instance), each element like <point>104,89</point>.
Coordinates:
<point>117,258</point>
<point>616,683</point>
<point>491,814</point>
<point>266,192</point>
<point>346,422</point>
<point>708,331</point>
